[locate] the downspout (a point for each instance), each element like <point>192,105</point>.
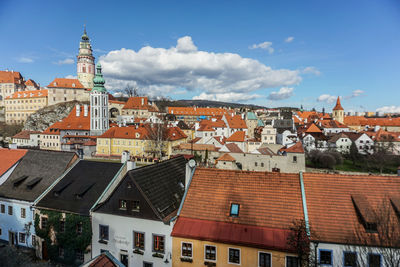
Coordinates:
<point>303,197</point>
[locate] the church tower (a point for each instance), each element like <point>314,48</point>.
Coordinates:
<point>85,66</point>
<point>98,105</point>
<point>338,112</point>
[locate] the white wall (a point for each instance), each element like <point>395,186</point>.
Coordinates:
<point>121,230</point>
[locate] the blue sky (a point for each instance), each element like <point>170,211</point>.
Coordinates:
<point>226,50</point>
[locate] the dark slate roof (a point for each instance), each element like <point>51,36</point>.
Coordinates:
<point>80,188</point>
<point>161,184</point>
<point>37,171</point>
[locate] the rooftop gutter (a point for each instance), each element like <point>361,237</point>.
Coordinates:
<point>108,187</point>
<point>303,197</point>
<point>55,182</point>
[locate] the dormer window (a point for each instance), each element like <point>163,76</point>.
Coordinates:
<point>122,204</point>
<point>234,212</point>
<point>55,84</point>
<point>73,85</point>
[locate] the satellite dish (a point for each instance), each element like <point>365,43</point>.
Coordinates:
<point>192,163</point>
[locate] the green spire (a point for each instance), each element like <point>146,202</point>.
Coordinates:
<point>99,80</point>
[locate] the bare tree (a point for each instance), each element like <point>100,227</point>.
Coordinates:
<point>158,136</point>
<point>299,240</point>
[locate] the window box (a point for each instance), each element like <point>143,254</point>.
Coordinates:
<point>102,241</point>
<point>208,263</point>
<point>158,255</point>
<point>138,251</point>
<point>186,259</point>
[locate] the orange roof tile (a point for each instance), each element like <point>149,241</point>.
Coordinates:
<point>276,205</point>
<point>296,148</point>
<point>126,133</point>
<point>205,128</point>
<point>232,147</point>
<point>31,82</point>
<point>226,157</point>
<point>238,136</point>
<point>11,77</point>
<point>236,122</point>
<point>65,83</point>
<point>197,111</point>
<point>25,134</point>
<point>338,105</point>
<point>71,122</point>
<point>28,94</point>
<point>332,124</point>
<point>135,102</point>
<point>196,147</point>
<point>8,157</point>
<point>331,210</point>
<point>116,102</point>
<point>313,129</point>
<point>174,133</point>
<point>214,124</point>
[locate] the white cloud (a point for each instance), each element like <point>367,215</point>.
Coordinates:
<point>289,39</point>
<point>265,45</point>
<point>357,93</point>
<point>228,97</point>
<point>389,109</point>
<point>327,98</point>
<point>25,60</point>
<point>160,71</point>
<point>71,77</point>
<point>66,61</point>
<point>283,93</point>
<point>311,70</point>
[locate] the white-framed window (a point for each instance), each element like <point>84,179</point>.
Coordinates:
<point>264,259</point>
<point>187,249</point>
<point>22,238</point>
<point>210,253</point>
<point>234,256</point>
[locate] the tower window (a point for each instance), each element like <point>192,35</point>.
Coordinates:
<point>234,210</point>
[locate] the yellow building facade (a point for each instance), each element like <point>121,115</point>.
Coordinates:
<point>248,256</point>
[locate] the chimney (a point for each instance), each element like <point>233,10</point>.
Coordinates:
<point>190,167</point>
<point>85,110</point>
<point>78,110</point>
<point>142,101</point>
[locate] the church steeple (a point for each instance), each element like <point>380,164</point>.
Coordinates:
<point>85,66</point>
<point>338,111</point>
<point>98,105</point>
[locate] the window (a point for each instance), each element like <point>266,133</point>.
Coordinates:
<point>138,240</point>
<point>61,252</point>
<point>350,259</point>
<point>135,205</point>
<point>210,253</point>
<point>3,208</point>
<point>264,259</point>
<point>44,223</point>
<point>147,264</point>
<point>62,226</point>
<point>186,249</point>
<point>325,257</point>
<point>234,255</point>
<point>122,204</point>
<point>374,260</point>
<point>234,210</point>
<point>22,238</point>
<point>294,159</point>
<point>292,261</point>
<point>255,164</point>
<point>79,228</point>
<point>10,210</point>
<point>262,164</point>
<point>23,213</point>
<point>79,255</point>
<point>103,232</point>
<point>158,243</point>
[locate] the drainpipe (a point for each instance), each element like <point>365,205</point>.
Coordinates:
<point>303,197</point>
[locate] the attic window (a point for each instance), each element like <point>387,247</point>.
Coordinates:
<point>365,213</point>
<point>136,205</point>
<point>234,210</point>
<point>73,85</point>
<point>55,84</point>
<point>19,181</point>
<point>34,182</point>
<point>122,204</point>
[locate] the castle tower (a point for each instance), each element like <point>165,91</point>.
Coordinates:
<point>85,66</point>
<point>98,105</point>
<point>338,112</point>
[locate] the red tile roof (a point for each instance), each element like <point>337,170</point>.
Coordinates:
<point>238,136</point>
<point>233,148</point>
<point>362,121</point>
<point>226,157</point>
<point>332,124</point>
<point>11,77</point>
<point>25,134</point>
<point>135,102</point>
<point>196,147</point>
<point>330,205</point>
<point>296,148</point>
<point>313,129</point>
<point>218,123</point>
<point>126,133</point>
<point>28,94</point>
<point>338,105</point>
<point>8,157</point>
<point>102,261</point>
<point>232,233</point>
<point>205,128</point>
<point>212,191</point>
<point>174,133</point>
<point>192,111</point>
<point>71,122</point>
<point>31,82</point>
<point>236,122</point>
<point>116,102</point>
<point>65,83</point>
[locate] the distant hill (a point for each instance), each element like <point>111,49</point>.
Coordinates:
<point>163,104</point>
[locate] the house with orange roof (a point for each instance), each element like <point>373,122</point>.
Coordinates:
<point>235,123</point>
<point>240,139</point>
<point>194,114</point>
<point>385,139</point>
<point>332,126</point>
<point>237,223</point>
<point>64,90</point>
<point>9,159</point>
<point>361,123</point>
<point>139,106</point>
<point>27,138</point>
<point>31,85</point>
<point>338,112</point>
<point>20,105</point>
<point>10,82</point>
<point>340,142</point>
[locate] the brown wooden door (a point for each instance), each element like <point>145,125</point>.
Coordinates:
<point>45,256</point>
<point>11,238</point>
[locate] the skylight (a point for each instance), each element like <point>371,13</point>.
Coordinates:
<point>234,210</point>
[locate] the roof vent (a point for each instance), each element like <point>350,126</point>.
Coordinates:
<point>84,191</point>
<point>19,180</point>
<point>59,191</point>
<point>34,182</point>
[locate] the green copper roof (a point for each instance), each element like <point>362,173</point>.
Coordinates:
<point>251,116</point>
<point>99,80</point>
<point>260,123</point>
<point>85,38</point>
